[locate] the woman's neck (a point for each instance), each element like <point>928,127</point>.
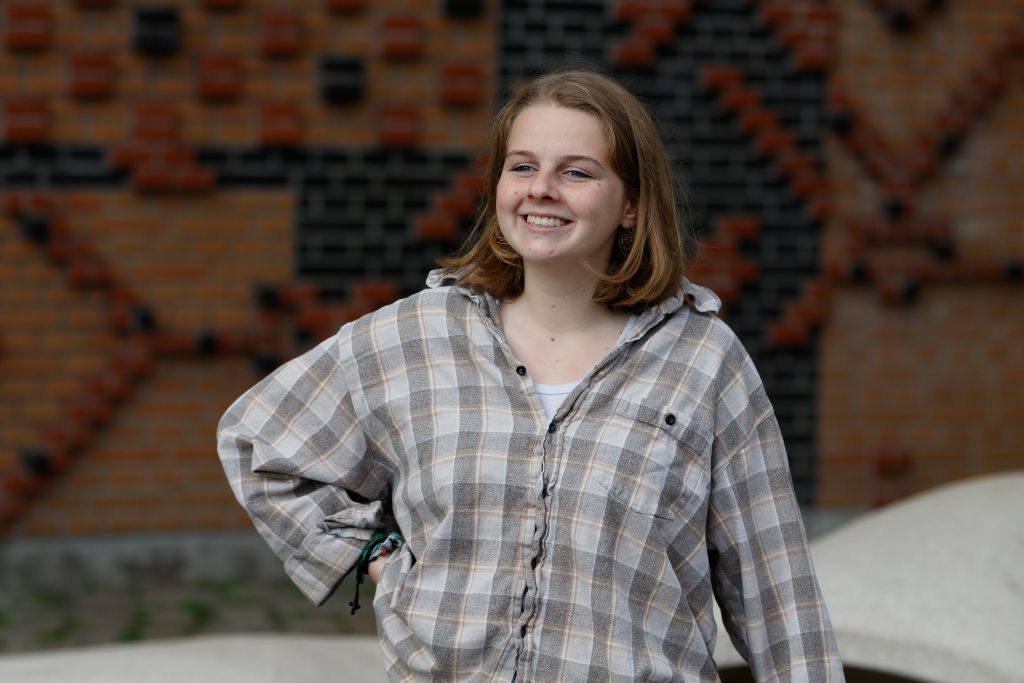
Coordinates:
<point>557,329</point>
<point>560,302</point>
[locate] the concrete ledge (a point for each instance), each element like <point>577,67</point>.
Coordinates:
<point>213,659</point>
<point>929,588</point>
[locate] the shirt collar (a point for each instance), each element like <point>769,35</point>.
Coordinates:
<point>699,298</point>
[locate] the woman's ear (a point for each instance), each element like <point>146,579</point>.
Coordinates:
<point>628,219</point>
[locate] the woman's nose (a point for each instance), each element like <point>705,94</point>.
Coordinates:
<point>543,186</point>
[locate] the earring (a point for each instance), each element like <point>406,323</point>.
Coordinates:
<point>625,238</point>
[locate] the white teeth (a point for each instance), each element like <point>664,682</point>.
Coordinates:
<point>545,221</point>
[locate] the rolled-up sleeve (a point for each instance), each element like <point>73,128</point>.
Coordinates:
<point>298,461</point>
<point>762,573</point>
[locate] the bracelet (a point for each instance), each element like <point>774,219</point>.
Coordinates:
<point>381,544</point>
<point>392,542</point>
<point>378,537</point>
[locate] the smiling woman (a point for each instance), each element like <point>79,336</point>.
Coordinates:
<point>559,203</point>
<point>645,264</point>
<point>555,458</point>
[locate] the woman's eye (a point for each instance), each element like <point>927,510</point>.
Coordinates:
<point>521,168</point>
<point>576,173</point>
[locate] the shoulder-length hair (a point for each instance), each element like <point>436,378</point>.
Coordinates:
<point>641,272</point>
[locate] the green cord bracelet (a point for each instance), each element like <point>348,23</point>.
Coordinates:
<point>381,544</point>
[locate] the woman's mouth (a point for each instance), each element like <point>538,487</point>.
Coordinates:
<point>545,221</point>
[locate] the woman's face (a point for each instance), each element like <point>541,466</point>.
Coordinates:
<point>558,200</point>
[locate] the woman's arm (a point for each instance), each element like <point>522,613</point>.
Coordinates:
<point>761,569</point>
<point>374,568</point>
<point>297,460</point>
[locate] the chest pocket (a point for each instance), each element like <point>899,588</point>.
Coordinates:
<point>645,460</point>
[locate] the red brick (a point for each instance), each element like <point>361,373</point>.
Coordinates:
<point>782,335</point>
<point>813,56</point>
<point>457,203</point>
<point>631,10</point>
<point>219,78</point>
<point>775,13</point>
<point>402,37</point>
<point>739,98</point>
<point>27,120</point>
<point>400,126</point>
<point>92,75</point>
<point>345,6</point>
<point>376,292</point>
<point>635,51</point>
<point>223,5</point>
<point>463,84</point>
<point>775,142</point>
<point>157,121</point>
<point>719,76</point>
<point>29,26</point>
<point>655,29</point>
<point>756,120</point>
<point>437,227</point>
<point>743,227</point>
<point>283,34</point>
<point>280,124</point>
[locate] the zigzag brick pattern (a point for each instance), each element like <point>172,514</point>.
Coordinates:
<point>922,256</point>
<point>189,202</point>
<point>221,187</point>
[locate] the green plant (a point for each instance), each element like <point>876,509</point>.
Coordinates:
<point>200,614</point>
<point>226,590</point>
<point>135,628</point>
<point>68,626</point>
<point>275,618</point>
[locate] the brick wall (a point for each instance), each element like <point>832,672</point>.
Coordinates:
<point>921,364</point>
<point>196,190</point>
<point>192,265</point>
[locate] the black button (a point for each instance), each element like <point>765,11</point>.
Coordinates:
<point>670,419</point>
<point>552,428</point>
<point>521,370</point>
<point>533,563</point>
<point>522,631</point>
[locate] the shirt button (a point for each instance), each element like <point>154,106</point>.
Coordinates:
<point>522,631</point>
<point>552,428</point>
<point>521,370</point>
<point>670,419</point>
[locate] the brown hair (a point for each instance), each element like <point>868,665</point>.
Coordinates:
<point>642,272</point>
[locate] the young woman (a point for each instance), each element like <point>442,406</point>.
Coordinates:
<point>578,455</point>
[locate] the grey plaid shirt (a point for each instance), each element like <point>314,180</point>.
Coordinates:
<point>584,548</point>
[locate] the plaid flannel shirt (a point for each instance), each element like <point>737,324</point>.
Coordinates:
<point>584,548</point>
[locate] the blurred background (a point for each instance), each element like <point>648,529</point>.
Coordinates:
<point>194,191</point>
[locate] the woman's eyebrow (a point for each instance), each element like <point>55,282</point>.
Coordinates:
<point>562,160</point>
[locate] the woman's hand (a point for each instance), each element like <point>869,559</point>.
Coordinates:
<point>374,568</point>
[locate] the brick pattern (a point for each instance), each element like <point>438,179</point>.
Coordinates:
<point>220,62</point>
<point>189,203</point>
<point>726,174</point>
<point>195,115</point>
<point>112,297</point>
<point>920,370</point>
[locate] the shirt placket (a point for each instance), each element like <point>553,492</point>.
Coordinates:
<point>544,461</point>
<point>544,454</point>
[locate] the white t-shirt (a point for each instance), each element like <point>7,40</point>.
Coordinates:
<point>552,395</point>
